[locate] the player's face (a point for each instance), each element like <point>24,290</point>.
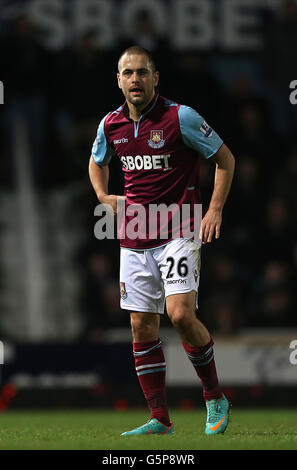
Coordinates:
<point>137,79</point>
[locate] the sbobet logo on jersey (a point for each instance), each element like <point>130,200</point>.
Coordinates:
<point>146,162</point>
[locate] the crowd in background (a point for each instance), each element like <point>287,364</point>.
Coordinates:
<point>248,276</point>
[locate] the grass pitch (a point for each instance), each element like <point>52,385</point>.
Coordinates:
<point>90,430</point>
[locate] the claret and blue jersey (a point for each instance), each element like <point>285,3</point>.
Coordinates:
<point>159,155</point>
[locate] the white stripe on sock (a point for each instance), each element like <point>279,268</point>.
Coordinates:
<point>151,365</point>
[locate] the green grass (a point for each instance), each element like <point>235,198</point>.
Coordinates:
<point>82,430</point>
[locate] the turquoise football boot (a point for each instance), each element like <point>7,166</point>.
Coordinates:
<point>153,426</point>
<point>217,415</point>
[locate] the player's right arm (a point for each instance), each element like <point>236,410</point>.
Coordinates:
<point>102,153</point>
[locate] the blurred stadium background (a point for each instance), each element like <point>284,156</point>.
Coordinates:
<point>61,325</point>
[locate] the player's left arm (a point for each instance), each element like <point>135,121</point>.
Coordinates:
<point>198,135</point>
<point>211,222</point>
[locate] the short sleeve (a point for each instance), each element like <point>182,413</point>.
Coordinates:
<point>196,133</point>
<point>102,150</point>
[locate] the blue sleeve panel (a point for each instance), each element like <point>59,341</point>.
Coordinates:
<point>102,150</point>
<point>196,133</point>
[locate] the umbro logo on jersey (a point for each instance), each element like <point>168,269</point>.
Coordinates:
<point>121,141</point>
<point>156,141</point>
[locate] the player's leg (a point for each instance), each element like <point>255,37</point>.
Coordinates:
<point>142,293</point>
<point>180,265</point>
<point>150,367</point>
<point>198,345</point>
<point>196,340</point>
<point>181,311</point>
<point>145,326</point>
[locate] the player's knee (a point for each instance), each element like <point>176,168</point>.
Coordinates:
<point>181,318</point>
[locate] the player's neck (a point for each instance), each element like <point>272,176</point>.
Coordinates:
<point>136,111</point>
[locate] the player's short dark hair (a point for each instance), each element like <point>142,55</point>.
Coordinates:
<point>138,50</point>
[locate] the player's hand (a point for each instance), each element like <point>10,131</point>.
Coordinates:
<point>211,225</point>
<point>113,201</point>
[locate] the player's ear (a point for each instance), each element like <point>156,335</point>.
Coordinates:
<point>119,80</point>
<point>156,78</point>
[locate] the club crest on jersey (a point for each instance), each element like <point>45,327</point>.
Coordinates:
<point>206,129</point>
<point>156,141</point>
<point>123,290</point>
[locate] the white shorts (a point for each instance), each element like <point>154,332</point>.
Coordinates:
<point>147,277</point>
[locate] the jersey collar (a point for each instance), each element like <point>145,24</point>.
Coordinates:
<point>145,111</point>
